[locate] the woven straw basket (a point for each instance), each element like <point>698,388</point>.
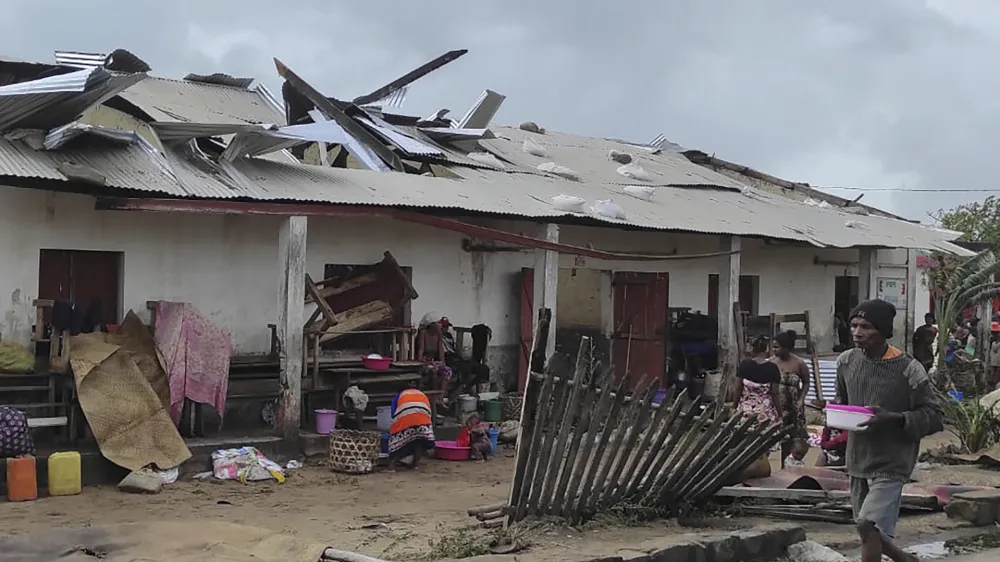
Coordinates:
<point>354,452</point>
<point>512,406</point>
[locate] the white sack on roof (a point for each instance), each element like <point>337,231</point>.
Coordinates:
<point>642,192</point>
<point>561,171</point>
<point>608,208</point>
<point>569,203</point>
<point>817,203</point>
<point>533,148</point>
<point>635,171</point>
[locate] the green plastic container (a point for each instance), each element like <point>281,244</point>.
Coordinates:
<point>494,411</point>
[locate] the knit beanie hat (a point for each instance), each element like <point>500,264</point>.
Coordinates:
<point>879,313</point>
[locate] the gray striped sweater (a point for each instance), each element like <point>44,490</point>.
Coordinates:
<point>899,385</point>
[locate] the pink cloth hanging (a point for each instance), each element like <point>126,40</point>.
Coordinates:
<point>195,355</point>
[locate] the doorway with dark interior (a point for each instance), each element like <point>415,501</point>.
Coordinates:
<point>846,296</point>
<point>89,279</point>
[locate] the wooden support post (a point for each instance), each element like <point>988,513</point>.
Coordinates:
<point>911,299</point>
<point>547,283</point>
<point>291,309</point>
<point>729,295</point>
<point>867,274</point>
<point>985,314</point>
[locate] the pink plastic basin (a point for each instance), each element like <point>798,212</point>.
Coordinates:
<point>848,418</point>
<point>376,364</point>
<point>852,409</point>
<point>450,451</point>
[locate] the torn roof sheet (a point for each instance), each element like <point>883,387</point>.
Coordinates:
<point>588,158</point>
<point>691,209</point>
<point>56,100</point>
<point>194,102</point>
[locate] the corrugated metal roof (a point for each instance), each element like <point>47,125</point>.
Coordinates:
<point>588,157</point>
<point>692,209</point>
<point>56,100</point>
<point>80,60</point>
<point>124,167</point>
<point>193,102</point>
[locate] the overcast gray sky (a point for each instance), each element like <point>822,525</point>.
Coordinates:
<point>875,94</point>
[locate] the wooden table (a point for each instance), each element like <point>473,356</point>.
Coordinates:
<point>339,379</point>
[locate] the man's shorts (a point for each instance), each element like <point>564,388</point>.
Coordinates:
<point>877,500</point>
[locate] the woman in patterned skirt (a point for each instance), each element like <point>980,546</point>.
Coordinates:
<point>412,431</point>
<point>792,390</point>
<point>756,390</point>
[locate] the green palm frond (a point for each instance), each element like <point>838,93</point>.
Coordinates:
<point>979,295</point>
<point>989,269</point>
<point>972,283</point>
<point>974,264</point>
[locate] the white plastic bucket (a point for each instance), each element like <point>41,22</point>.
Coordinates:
<point>384,417</point>
<point>847,418</point>
<point>467,404</point>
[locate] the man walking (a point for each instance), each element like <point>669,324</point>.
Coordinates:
<point>881,458</point>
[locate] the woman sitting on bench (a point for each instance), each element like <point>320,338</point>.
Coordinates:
<point>432,351</point>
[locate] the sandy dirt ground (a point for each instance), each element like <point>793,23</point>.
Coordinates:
<point>397,516</point>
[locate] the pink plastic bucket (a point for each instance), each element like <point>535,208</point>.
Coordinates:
<point>326,421</point>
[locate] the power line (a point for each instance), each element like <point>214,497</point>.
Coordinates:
<point>915,190</point>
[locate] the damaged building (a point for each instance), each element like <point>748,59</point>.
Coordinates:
<point>124,187</point>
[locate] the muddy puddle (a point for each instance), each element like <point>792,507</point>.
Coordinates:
<point>940,550</point>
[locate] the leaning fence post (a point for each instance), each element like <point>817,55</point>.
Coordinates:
<point>529,409</point>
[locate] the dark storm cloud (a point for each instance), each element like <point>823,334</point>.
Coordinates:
<point>895,93</point>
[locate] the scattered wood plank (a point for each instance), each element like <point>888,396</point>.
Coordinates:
<point>915,501</point>
<point>797,513</point>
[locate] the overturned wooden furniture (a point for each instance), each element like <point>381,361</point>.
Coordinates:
<point>360,300</point>
<point>804,343</point>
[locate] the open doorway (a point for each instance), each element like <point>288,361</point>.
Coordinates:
<point>82,277</point>
<point>845,296</point>
<point>749,294</point>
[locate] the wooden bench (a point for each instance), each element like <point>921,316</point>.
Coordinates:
<point>25,391</point>
<point>56,421</point>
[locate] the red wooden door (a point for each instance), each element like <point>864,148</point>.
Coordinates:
<point>81,276</point>
<point>528,313</point>
<point>638,345</point>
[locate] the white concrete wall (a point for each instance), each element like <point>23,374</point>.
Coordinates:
<point>227,265</point>
<point>790,281</point>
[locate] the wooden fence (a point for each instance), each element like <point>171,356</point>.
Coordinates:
<point>586,446</point>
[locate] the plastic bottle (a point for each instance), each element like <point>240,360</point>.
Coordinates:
<point>22,484</point>
<point>65,477</point>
